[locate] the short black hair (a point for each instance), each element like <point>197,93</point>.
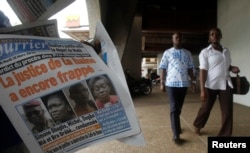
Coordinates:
<point>216,29</point>
<point>58,94</point>
<point>177,33</point>
<point>74,88</point>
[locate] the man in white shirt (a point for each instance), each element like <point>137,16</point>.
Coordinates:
<point>177,63</point>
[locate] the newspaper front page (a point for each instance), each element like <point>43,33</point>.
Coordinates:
<point>41,82</point>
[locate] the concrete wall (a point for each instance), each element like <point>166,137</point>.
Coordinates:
<point>123,27</point>
<point>118,18</point>
<point>234,20</point>
<point>132,59</point>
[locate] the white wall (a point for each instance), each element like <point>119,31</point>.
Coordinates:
<point>234,21</point>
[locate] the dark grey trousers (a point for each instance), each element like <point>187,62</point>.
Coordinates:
<point>226,106</point>
<point>176,100</point>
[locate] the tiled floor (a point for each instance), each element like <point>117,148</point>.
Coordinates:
<point>153,114</point>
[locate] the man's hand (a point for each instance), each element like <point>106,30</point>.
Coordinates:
<point>203,96</point>
<point>95,44</point>
<point>235,69</point>
<point>162,87</point>
<point>193,87</point>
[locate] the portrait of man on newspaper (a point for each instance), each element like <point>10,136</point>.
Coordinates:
<point>58,107</point>
<point>79,93</point>
<point>103,91</point>
<point>36,116</point>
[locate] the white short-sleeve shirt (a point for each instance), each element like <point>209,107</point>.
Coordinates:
<point>217,65</point>
<point>176,62</point>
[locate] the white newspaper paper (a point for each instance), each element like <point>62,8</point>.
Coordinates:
<point>47,28</point>
<point>35,69</point>
<point>33,10</point>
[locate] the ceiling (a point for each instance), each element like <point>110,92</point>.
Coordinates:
<point>160,18</point>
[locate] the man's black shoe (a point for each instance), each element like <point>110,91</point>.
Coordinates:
<point>178,141</point>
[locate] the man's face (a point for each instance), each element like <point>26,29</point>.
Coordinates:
<point>58,109</point>
<point>176,38</point>
<point>214,36</point>
<point>101,89</point>
<point>35,114</point>
<point>82,93</point>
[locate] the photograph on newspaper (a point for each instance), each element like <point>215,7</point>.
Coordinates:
<point>60,95</point>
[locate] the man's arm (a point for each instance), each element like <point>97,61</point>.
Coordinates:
<point>163,79</point>
<point>203,78</point>
<point>193,79</point>
<point>191,75</point>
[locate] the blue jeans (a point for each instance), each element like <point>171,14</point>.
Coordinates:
<point>176,100</point>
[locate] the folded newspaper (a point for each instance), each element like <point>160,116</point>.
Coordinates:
<point>60,96</point>
<point>45,28</point>
<point>110,56</point>
<point>30,11</point>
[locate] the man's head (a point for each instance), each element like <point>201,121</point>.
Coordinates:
<point>79,93</point>
<point>177,39</point>
<point>215,36</point>
<point>34,112</point>
<point>58,107</point>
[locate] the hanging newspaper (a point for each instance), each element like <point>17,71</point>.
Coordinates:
<point>60,96</point>
<point>30,11</point>
<point>46,28</point>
